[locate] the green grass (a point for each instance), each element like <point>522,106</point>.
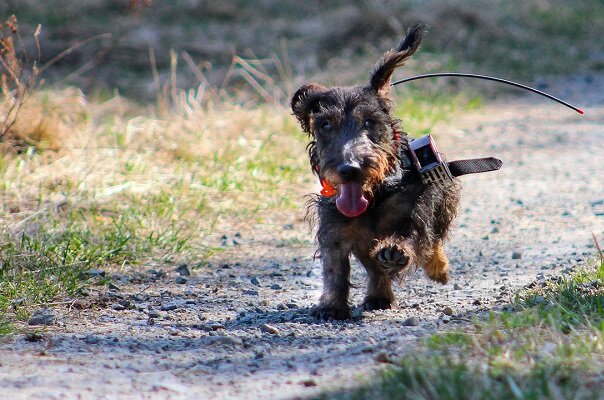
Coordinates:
<point>50,257</point>
<point>550,345</point>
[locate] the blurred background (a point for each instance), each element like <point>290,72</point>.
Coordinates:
<point>267,47</point>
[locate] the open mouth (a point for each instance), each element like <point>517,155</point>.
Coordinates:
<point>351,202</point>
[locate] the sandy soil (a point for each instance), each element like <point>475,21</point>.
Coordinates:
<point>240,328</point>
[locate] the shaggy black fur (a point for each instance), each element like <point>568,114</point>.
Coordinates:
<point>357,143</point>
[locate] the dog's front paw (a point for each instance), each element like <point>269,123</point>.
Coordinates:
<point>392,257</point>
<point>378,303</point>
<point>326,312</point>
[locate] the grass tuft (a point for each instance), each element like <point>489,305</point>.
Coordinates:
<point>551,345</point>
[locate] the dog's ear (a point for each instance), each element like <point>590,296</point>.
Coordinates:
<point>304,101</point>
<point>382,72</point>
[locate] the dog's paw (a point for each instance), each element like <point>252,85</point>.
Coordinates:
<point>392,257</point>
<point>327,312</point>
<point>440,277</point>
<point>378,303</point>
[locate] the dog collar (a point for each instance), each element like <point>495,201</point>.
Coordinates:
<point>433,169</point>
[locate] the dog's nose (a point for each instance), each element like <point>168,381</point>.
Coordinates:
<point>349,172</point>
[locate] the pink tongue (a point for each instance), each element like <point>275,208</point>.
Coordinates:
<point>351,201</point>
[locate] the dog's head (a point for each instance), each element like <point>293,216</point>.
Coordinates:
<point>353,136</point>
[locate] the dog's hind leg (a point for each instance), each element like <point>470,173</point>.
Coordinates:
<point>437,267</point>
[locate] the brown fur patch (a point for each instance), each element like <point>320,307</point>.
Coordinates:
<point>437,268</point>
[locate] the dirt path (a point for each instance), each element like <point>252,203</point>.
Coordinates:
<point>240,328</point>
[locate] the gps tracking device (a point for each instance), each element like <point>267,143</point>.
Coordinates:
<point>428,161</point>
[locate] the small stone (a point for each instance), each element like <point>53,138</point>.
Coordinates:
<point>383,357</point>
<point>516,255</point>
<point>118,307</point>
<point>411,321</point>
<point>539,299</point>
<point>215,326</point>
<point>308,382</point>
<point>275,286</point>
<point>183,270</point>
<point>255,281</point>
<point>548,348</point>
<point>457,286</point>
<point>113,286</point>
<point>291,305</point>
<point>476,302</point>
<point>446,319</point>
<point>269,329</point>
<point>448,311</point>
<point>153,313</point>
<point>227,340</point>
<point>138,297</point>
<point>181,280</point>
<point>92,339</point>
<point>250,292</point>
<point>168,307</point>
<point>33,337</point>
<point>95,273</point>
<point>43,316</point>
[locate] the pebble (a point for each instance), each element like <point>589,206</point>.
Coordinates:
<point>227,340</point>
<point>308,382</point>
<point>383,357</point>
<point>476,302</point>
<point>448,311</point>
<point>113,286</point>
<point>411,321</point>
<point>92,339</point>
<point>94,273</point>
<point>118,307</point>
<point>153,313</point>
<point>138,297</point>
<point>33,337</point>
<point>516,255</point>
<point>255,281</point>
<point>250,292</point>
<point>457,286</point>
<point>168,307</point>
<point>269,329</point>
<point>43,316</point>
<point>275,286</point>
<point>183,270</point>
<point>214,326</point>
<point>181,280</point>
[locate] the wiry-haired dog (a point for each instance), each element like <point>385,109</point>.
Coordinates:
<point>379,209</point>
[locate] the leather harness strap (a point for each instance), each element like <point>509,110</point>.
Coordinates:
<point>474,166</point>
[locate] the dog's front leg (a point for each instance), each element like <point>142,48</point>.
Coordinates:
<point>394,253</point>
<point>379,287</point>
<point>333,303</point>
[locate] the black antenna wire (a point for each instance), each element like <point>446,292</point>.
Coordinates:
<point>489,78</point>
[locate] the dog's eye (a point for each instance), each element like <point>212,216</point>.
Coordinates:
<point>369,123</point>
<point>326,126</point>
